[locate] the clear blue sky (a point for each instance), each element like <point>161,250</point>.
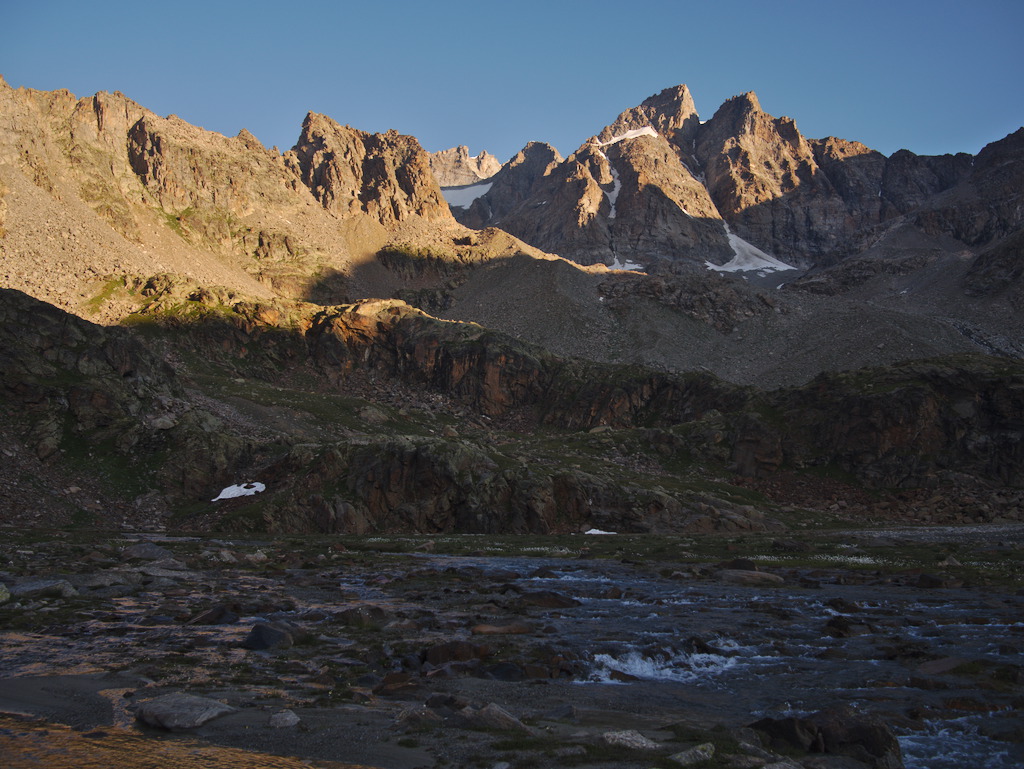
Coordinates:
<point>931,76</point>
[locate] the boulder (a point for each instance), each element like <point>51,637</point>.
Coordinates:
<point>221,614</point>
<point>629,738</point>
<point>179,712</point>
<point>837,731</point>
<point>695,755</point>
<point>364,616</point>
<point>493,716</point>
<point>283,720</point>
<point>454,651</point>
<point>514,628</point>
<point>43,588</point>
<point>265,636</point>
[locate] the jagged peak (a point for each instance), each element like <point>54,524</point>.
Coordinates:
<point>537,152</point>
<point>318,121</point>
<point>738,107</point>
<point>670,113</point>
<point>748,102</point>
<point>246,137</point>
<point>675,95</point>
<point>736,113</point>
<point>455,167</point>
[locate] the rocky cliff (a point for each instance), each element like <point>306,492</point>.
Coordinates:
<point>378,417</point>
<point>627,195</point>
<point>132,193</point>
<point>455,167</point>
<point>386,176</point>
<point>237,267</point>
<point>808,202</point>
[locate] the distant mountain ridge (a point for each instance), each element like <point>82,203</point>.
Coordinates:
<point>100,189</point>
<point>657,185</point>
<point>455,167</point>
<point>318,320</point>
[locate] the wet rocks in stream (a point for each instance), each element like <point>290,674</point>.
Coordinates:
<point>361,655</point>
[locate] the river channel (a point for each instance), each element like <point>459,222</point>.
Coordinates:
<point>598,644</point>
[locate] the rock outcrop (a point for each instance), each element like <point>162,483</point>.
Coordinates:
<point>670,113</point>
<point>808,202</point>
<point>185,167</point>
<point>766,182</point>
<point>628,200</point>
<point>625,196</point>
<point>102,404</point>
<point>135,193</point>
<point>517,180</point>
<point>999,270</point>
<point>984,205</point>
<point>386,176</point>
<point>455,167</point>
<point>75,387</point>
<point>921,423</point>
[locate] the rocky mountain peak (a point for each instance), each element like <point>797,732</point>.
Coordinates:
<point>536,155</point>
<point>745,102</point>
<point>518,179</point>
<point>671,113</point>
<point>455,167</point>
<point>250,141</point>
<point>350,171</point>
<point>736,114</point>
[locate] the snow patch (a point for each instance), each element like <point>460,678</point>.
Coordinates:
<point>242,490</point>
<point>748,258</point>
<point>617,265</point>
<point>463,197</point>
<point>645,131</point>
<point>598,531</point>
<point>614,194</point>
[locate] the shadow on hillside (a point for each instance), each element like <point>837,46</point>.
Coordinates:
<point>329,287</point>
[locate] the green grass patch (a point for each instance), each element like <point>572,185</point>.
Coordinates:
<point>107,291</point>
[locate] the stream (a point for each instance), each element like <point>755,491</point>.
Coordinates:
<point>641,648</point>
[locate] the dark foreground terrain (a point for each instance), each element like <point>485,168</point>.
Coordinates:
<point>827,650</point>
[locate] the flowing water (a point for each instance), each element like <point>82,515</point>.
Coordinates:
<point>771,652</point>
<point>929,661</point>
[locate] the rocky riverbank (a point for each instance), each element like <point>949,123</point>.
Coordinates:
<point>814,650</point>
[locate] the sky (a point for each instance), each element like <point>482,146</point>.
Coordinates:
<point>933,76</point>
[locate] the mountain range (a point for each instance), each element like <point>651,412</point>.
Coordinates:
<point>666,330</point>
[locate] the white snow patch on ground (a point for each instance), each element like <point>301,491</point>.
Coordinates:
<point>463,197</point>
<point>614,194</point>
<point>617,265</point>
<point>748,258</point>
<point>645,131</point>
<point>598,531</point>
<point>242,490</point>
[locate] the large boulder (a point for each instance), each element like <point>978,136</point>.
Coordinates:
<point>180,712</point>
<point>837,731</point>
